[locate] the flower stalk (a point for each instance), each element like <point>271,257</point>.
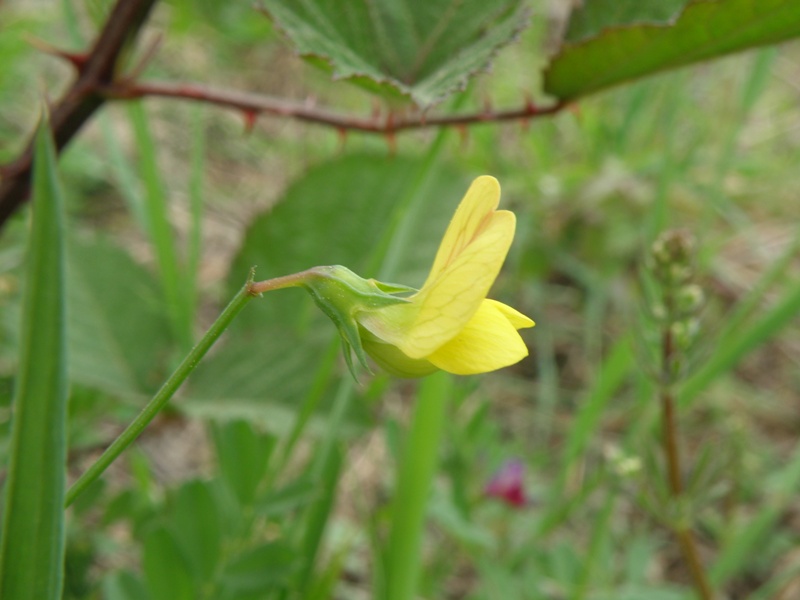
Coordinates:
<point>680,302</point>
<point>167,391</point>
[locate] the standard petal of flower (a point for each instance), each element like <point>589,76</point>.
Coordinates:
<point>488,342</point>
<point>478,203</point>
<point>450,301</point>
<point>518,320</point>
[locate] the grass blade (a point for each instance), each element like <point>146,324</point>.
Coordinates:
<point>732,348</point>
<point>159,228</point>
<point>415,476</point>
<point>32,547</point>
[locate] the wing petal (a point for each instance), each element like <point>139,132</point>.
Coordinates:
<point>488,342</point>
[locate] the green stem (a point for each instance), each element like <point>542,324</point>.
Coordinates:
<point>415,477</point>
<point>166,392</point>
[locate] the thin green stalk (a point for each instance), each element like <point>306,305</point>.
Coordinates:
<point>166,392</point>
<point>415,478</point>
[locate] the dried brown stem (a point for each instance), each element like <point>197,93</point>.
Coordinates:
<point>79,102</point>
<point>249,103</point>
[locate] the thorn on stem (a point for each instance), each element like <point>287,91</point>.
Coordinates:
<point>391,139</point>
<point>463,134</point>
<point>530,107</point>
<point>391,142</point>
<point>250,117</point>
<point>342,133</point>
<point>487,108</point>
<point>76,59</point>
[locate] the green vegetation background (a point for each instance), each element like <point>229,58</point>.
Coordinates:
<point>242,491</point>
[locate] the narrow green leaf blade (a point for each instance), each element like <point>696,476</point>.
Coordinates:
<point>703,31</point>
<point>32,547</point>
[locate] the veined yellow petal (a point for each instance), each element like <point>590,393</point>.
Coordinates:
<point>478,203</point>
<point>517,319</point>
<point>449,301</point>
<point>488,342</point>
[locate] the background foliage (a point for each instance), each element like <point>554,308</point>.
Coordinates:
<point>272,475</point>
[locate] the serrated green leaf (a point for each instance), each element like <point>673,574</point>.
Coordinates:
<point>593,16</point>
<point>704,30</point>
<point>32,547</point>
<point>423,50</point>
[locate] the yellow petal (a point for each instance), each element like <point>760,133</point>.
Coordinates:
<point>488,342</point>
<point>478,203</point>
<point>449,301</point>
<point>517,319</point>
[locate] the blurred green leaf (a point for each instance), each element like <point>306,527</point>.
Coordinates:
<point>424,50</point>
<point>166,568</point>
<point>32,547</point>
<point>261,569</point>
<point>704,30</point>
<point>243,455</point>
<point>124,585</point>
<point>591,17</point>
<point>195,521</point>
<point>295,495</point>
<point>118,334</point>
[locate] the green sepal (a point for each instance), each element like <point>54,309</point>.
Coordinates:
<point>393,288</point>
<point>341,295</point>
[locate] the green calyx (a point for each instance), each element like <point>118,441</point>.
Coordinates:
<point>341,295</point>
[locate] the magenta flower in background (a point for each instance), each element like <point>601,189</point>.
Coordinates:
<point>508,484</point>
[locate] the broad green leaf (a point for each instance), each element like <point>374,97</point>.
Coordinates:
<point>348,204</point>
<point>196,523</point>
<point>118,334</point>
<point>166,568</point>
<point>32,547</point>
<point>423,50</point>
<point>593,16</point>
<point>704,30</point>
<point>242,457</point>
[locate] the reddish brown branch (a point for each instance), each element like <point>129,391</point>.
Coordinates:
<point>96,69</point>
<point>249,103</point>
<point>682,530</point>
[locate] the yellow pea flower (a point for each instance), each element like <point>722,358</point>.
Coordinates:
<point>450,324</point>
